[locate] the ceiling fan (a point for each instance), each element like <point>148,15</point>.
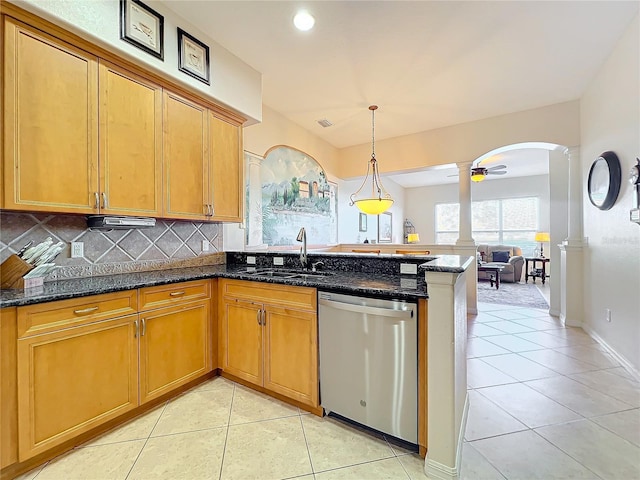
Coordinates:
<point>478,173</point>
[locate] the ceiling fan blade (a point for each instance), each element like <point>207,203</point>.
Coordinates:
<point>497,167</point>
<point>497,173</point>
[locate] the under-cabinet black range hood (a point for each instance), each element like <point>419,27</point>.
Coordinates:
<point>112,222</point>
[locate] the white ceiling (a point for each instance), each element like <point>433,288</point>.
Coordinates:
<point>427,64</point>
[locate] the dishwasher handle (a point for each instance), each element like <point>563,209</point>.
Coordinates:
<point>384,312</point>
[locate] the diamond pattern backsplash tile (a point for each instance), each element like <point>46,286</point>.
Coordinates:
<point>169,244</point>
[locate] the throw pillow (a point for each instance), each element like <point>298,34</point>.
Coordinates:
<point>500,256</point>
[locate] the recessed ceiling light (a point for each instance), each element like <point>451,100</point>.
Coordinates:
<point>304,21</point>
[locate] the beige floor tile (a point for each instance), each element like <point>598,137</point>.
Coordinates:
<point>622,372</point>
<point>103,462</point>
<point>31,474</point>
<point>251,406</point>
<point>545,339</point>
<point>574,335</point>
<point>527,456</point>
<point>558,362</point>
<point>481,374</point>
<point>484,317</point>
<point>266,450</point>
<point>578,397</point>
<point>507,326</point>
<point>508,314</point>
<point>624,424</point>
<point>518,367</point>
<point>486,419</point>
<point>590,354</point>
<point>528,406</point>
<point>390,468</point>
<point>513,343</point>
<point>475,466</point>
<point>333,444</point>
<point>613,385</point>
<point>598,449</point>
<point>137,429</point>
<point>479,347</point>
<point>482,330</point>
<point>216,383</point>
<point>188,456</point>
<point>537,313</point>
<point>538,323</point>
<point>195,410</point>
<point>414,466</point>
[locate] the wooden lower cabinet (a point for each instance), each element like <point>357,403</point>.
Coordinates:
<point>72,380</point>
<point>174,347</point>
<point>268,343</point>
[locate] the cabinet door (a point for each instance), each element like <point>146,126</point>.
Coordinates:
<point>74,379</point>
<point>50,123</point>
<point>130,144</point>
<point>291,354</point>
<point>174,347</point>
<point>186,162</point>
<point>226,171</point>
<point>241,339</point>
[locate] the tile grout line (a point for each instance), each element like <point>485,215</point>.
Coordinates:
<point>306,443</point>
<point>146,441</point>
<point>226,437</point>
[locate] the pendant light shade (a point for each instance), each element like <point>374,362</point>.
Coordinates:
<point>379,200</point>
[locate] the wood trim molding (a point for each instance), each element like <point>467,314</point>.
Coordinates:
<point>46,26</point>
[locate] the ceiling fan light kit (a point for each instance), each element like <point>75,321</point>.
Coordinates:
<point>478,173</point>
<point>380,200</point>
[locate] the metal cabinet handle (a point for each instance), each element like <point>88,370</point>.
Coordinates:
<point>97,199</point>
<point>104,200</point>
<point>85,310</point>
<point>176,294</point>
<point>135,333</point>
<point>264,317</point>
<point>258,316</point>
<point>206,209</point>
<point>144,327</point>
<point>213,210</point>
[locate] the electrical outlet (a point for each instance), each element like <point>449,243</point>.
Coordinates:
<point>205,245</point>
<point>409,268</point>
<point>77,249</point>
<point>608,314</point>
<point>251,260</point>
<point>279,261</point>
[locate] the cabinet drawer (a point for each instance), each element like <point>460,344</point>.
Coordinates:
<point>284,295</point>
<point>51,316</point>
<point>165,295</point>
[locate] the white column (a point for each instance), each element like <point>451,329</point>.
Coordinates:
<point>447,403</point>
<point>571,250</point>
<point>464,199</point>
<point>255,201</point>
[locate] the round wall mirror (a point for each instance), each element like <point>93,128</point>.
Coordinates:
<point>603,184</point>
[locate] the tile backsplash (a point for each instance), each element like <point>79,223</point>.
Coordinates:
<point>169,244</point>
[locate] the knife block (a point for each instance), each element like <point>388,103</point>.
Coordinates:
<point>11,272</point>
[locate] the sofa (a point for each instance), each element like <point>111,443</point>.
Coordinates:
<point>512,261</point>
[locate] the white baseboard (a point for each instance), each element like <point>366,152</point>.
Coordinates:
<point>437,470</point>
<point>626,364</point>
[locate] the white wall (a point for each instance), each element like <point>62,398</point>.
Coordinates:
<point>233,82</point>
<point>420,202</point>
<point>610,120</point>
<point>349,216</point>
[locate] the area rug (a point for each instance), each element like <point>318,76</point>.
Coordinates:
<point>519,294</point>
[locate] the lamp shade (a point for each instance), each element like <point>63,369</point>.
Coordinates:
<point>373,206</point>
<point>542,237</point>
<point>413,238</point>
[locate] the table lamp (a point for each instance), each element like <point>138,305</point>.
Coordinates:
<point>542,237</point>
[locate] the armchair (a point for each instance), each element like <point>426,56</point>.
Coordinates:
<point>512,267</point>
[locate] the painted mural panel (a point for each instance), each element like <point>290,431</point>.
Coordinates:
<point>287,190</point>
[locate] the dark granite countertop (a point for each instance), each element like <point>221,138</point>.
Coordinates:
<point>368,284</point>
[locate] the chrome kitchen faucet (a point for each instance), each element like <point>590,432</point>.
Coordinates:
<point>302,237</point>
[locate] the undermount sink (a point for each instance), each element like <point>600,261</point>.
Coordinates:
<point>289,273</point>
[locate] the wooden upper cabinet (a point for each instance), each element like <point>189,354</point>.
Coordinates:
<point>130,144</point>
<point>186,161</point>
<point>226,169</point>
<point>50,123</point>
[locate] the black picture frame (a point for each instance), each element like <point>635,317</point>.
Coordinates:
<point>135,31</point>
<point>193,57</point>
<point>603,184</point>
<point>362,226</point>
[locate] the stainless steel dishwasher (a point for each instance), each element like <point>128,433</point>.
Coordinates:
<point>369,362</point>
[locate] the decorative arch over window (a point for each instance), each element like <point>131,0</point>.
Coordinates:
<point>285,190</point>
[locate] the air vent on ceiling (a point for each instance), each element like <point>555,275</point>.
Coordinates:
<point>324,123</point>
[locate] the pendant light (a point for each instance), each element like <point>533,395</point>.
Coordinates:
<point>379,201</point>
<point>478,174</point>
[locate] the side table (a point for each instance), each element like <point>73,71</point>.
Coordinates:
<point>535,272</point>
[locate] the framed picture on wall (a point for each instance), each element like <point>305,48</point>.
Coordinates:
<point>363,222</point>
<point>384,227</point>
<point>142,27</point>
<point>193,56</point>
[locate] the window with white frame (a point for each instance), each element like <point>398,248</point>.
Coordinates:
<point>510,221</point>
